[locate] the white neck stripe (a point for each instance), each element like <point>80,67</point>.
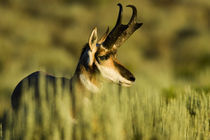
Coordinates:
<point>88,84</point>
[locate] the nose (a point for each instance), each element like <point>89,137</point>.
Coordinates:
<point>124,72</point>
<point>132,78</point>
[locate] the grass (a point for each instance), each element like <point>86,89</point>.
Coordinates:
<point>170,59</point>
<point>130,114</point>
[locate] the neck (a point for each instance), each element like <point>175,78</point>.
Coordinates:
<point>86,76</point>
<point>86,80</point>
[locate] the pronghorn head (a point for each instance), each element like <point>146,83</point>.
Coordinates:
<point>102,53</point>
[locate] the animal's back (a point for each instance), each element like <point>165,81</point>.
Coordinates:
<point>33,81</point>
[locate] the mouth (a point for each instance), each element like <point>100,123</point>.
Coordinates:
<point>126,84</point>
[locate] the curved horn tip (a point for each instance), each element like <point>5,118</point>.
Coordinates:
<point>119,19</point>
<point>133,7</point>
<point>134,15</point>
<point>119,4</point>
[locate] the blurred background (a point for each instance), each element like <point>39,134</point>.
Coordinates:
<point>171,49</point>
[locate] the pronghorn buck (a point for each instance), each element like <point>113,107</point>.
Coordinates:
<point>97,62</point>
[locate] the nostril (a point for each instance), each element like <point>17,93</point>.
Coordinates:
<point>132,79</point>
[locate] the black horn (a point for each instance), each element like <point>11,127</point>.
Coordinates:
<point>120,33</point>
<point>119,19</point>
<point>134,15</point>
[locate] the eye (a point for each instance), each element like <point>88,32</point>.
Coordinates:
<point>103,57</point>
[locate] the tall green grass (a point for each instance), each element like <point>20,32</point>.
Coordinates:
<point>171,50</point>
<point>113,114</point>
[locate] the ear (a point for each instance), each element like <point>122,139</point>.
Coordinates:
<point>93,39</point>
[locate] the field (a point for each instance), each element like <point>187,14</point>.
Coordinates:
<point>169,55</point>
<point>130,114</point>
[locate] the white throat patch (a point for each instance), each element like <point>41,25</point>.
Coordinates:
<point>88,84</point>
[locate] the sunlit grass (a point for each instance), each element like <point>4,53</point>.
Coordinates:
<point>112,114</point>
